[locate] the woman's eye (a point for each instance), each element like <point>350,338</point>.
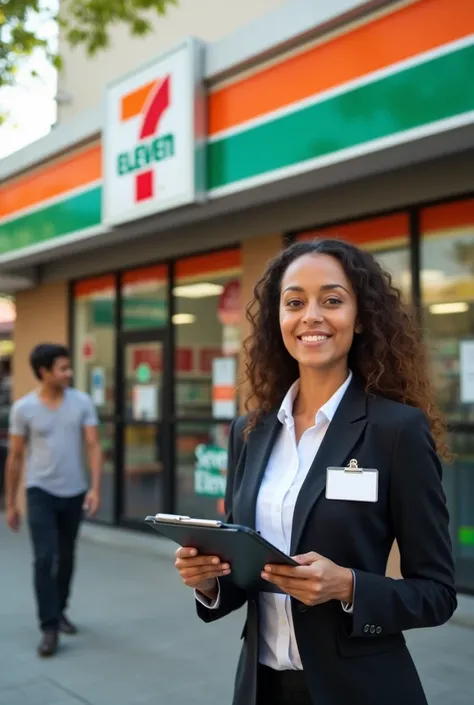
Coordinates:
<point>333,300</point>
<point>293,303</point>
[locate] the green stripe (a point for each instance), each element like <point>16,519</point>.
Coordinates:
<point>62,218</point>
<point>440,88</point>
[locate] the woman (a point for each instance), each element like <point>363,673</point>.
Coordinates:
<point>337,373</point>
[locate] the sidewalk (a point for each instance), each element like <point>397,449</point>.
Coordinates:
<point>140,642</point>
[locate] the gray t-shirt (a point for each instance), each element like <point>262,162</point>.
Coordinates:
<point>55,441</point>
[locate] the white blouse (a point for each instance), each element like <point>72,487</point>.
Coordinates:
<point>286,471</point>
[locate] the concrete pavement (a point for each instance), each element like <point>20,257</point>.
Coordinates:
<point>140,642</point>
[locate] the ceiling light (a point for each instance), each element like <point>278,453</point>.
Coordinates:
<point>181,318</point>
<point>198,291</point>
<point>455,307</point>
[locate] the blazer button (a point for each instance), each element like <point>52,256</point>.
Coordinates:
<point>366,628</point>
<point>378,630</point>
<point>301,608</point>
<point>372,629</point>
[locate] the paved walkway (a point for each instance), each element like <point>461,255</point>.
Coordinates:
<point>141,643</point>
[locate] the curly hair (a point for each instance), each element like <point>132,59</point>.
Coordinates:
<point>389,355</point>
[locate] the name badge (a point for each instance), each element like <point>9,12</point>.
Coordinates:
<point>352,483</point>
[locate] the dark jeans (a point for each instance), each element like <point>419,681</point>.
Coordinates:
<point>53,523</point>
<point>282,687</point>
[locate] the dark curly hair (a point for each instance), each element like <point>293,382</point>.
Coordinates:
<point>388,355</point>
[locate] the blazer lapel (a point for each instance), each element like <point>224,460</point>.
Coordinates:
<point>260,445</point>
<point>342,435</point>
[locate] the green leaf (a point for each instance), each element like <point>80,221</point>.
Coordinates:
<point>85,23</point>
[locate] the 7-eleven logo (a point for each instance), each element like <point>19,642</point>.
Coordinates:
<point>148,104</point>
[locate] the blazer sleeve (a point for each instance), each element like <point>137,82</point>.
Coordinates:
<point>426,596</point>
<point>231,597</point>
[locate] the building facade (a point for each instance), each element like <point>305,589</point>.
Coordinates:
<point>135,231</point>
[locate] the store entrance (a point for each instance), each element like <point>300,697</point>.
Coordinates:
<point>143,430</point>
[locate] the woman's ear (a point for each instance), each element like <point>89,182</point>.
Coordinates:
<point>358,328</point>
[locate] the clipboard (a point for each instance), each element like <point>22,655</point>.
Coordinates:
<point>243,548</point>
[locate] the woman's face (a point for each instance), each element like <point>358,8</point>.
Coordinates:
<point>318,311</point>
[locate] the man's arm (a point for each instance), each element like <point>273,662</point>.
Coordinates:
<point>13,473</point>
<point>94,453</point>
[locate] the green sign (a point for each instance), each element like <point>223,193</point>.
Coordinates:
<point>466,535</point>
<point>143,373</point>
<point>136,313</point>
<point>211,471</point>
<point>145,154</point>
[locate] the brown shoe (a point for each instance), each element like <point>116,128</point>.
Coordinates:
<point>48,644</point>
<point>67,627</point>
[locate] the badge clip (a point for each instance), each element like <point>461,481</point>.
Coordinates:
<point>353,466</point>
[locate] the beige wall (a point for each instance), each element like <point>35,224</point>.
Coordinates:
<point>42,316</point>
<point>255,254</point>
<point>209,20</point>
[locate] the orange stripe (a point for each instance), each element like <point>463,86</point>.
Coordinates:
<point>53,180</point>
<point>132,104</point>
<point>364,231</point>
<point>208,264</point>
<point>446,216</point>
<point>400,35</point>
<point>98,285</point>
<point>158,273</point>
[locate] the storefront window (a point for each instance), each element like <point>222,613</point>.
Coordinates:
<point>458,480</point>
<point>145,298</point>
<point>94,341</point>
<point>201,468</point>
<point>94,368</point>
<point>208,317</point>
<point>447,284</point>
<point>387,237</point>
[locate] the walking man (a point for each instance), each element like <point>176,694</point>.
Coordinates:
<point>51,425</point>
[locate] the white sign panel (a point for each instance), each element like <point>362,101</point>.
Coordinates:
<point>466,371</point>
<point>145,402</point>
<point>152,144</point>
<point>98,386</point>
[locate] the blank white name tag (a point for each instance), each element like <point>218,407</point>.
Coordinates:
<point>352,483</point>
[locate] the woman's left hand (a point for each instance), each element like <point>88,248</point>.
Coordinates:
<point>314,581</point>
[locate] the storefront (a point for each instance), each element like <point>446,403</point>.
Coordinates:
<point>157,348</point>
<point>142,235</point>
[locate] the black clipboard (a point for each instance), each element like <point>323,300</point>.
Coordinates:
<point>243,548</point>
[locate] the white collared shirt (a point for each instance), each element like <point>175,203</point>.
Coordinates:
<point>286,471</point>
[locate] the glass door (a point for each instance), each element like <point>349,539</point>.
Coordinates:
<point>143,467</point>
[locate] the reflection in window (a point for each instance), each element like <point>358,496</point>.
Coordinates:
<point>458,480</point>
<point>447,284</point>
<point>201,468</point>
<point>208,317</point>
<point>94,340</point>
<point>387,237</point>
<point>144,298</point>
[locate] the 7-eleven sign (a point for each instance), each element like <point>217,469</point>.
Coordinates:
<point>149,140</point>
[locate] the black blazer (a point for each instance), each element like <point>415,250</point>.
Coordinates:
<point>358,658</point>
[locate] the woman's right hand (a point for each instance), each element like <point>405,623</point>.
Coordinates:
<point>200,572</point>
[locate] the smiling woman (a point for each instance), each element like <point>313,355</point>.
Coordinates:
<point>342,291</point>
<point>336,460</point>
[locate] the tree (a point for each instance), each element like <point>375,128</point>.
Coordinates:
<point>84,23</point>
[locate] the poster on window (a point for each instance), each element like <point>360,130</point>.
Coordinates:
<point>98,386</point>
<point>224,379</point>
<point>210,472</point>
<point>466,371</point>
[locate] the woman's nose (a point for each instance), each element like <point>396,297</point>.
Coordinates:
<point>312,314</point>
